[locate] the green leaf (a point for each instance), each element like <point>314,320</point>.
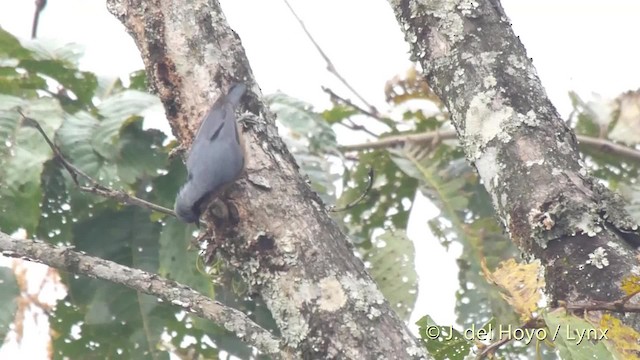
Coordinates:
<point>446,193</point>
<point>443,342</point>
<point>68,54</point>
<point>141,154</point>
<point>138,80</point>
<point>118,107</point>
<point>166,186</point>
<point>564,330</point>
<point>22,155</point>
<point>386,206</point>
<point>78,142</point>
<point>299,117</point>
<point>113,149</point>
<point>11,47</point>
<point>392,266</point>
<point>178,260</point>
<point>121,337</point>
<point>83,84</point>
<point>317,168</point>
<point>56,219</point>
<point>338,113</point>
<point>114,313</point>
<point>9,293</point>
<point>466,217</point>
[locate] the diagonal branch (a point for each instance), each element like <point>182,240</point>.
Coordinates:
<point>330,67</point>
<point>94,186</point>
<point>280,237</point>
<point>63,258</point>
<point>375,115</point>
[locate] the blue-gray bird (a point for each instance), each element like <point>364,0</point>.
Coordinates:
<point>216,158</point>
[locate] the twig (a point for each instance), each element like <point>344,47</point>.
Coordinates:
<point>94,186</point>
<point>609,147</point>
<point>626,299</point>
<point>391,141</point>
<point>534,323</point>
<point>584,142</point>
<point>348,102</point>
<point>360,198</point>
<point>330,67</point>
<point>619,306</point>
<point>613,306</point>
<point>63,258</point>
<point>40,4</point>
<point>493,347</point>
<point>353,126</point>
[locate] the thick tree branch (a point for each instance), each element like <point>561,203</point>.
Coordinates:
<point>525,154</point>
<point>281,240</point>
<point>167,290</point>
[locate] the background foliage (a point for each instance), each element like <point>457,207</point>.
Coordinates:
<point>98,124</point>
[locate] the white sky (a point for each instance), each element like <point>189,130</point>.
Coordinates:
<point>581,45</point>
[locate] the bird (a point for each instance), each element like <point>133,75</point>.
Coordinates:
<point>216,158</point>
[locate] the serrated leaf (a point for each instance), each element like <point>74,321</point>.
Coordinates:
<point>76,139</point>
<point>393,269</point>
<point>107,149</point>
<point>446,192</point>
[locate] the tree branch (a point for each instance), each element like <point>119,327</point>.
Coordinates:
<point>525,154</point>
<point>585,142</point>
<point>166,290</point>
<point>375,115</point>
<point>282,241</point>
<point>330,67</point>
<point>94,186</point>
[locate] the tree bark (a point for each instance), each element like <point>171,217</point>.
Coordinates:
<point>525,154</point>
<point>284,244</point>
<point>64,258</point>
